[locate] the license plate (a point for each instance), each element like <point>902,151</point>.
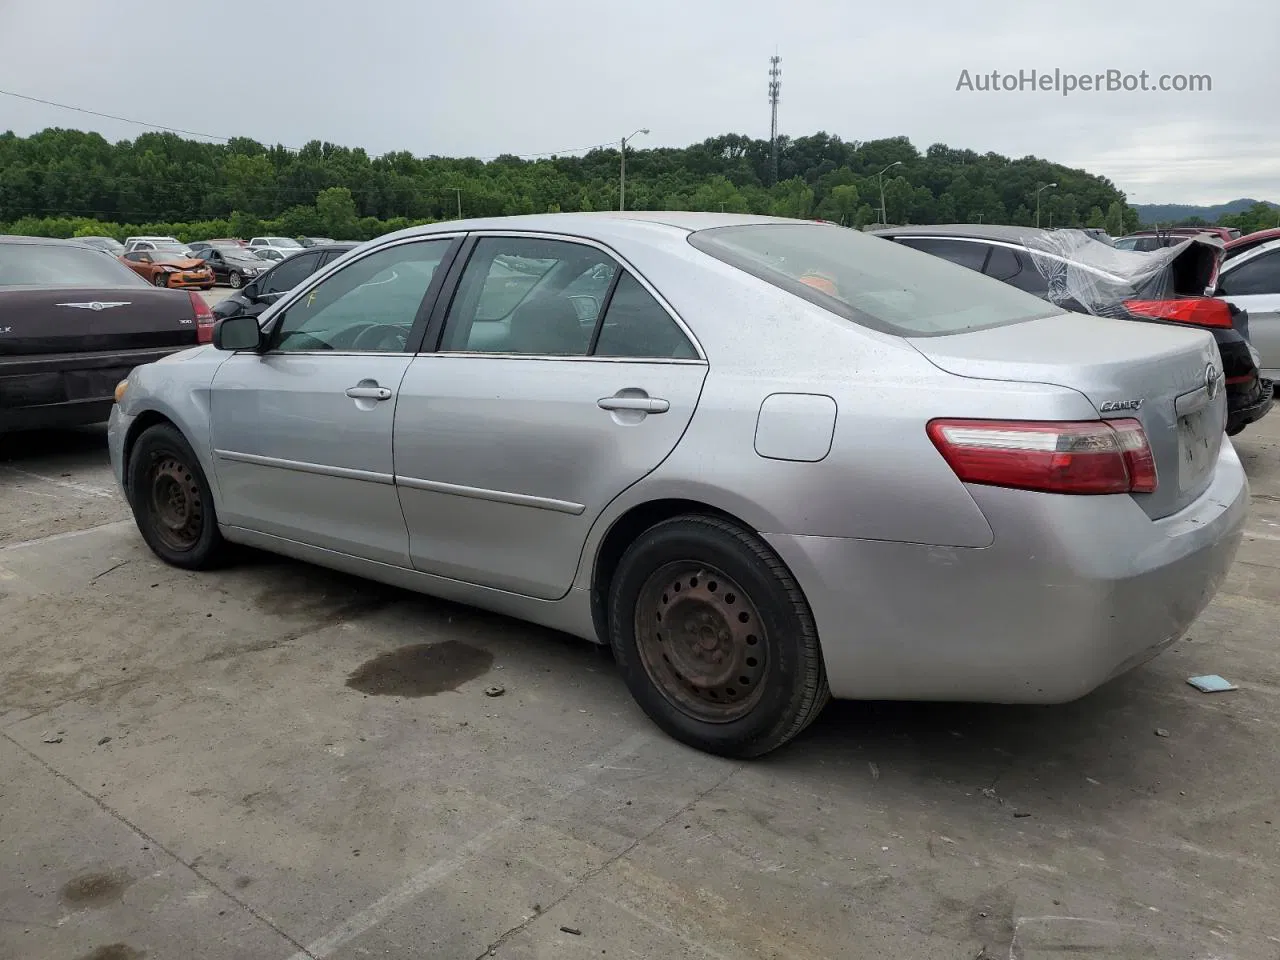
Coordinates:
<point>1195,447</point>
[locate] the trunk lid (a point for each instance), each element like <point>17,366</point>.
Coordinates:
<point>1158,374</point>
<point>42,320</point>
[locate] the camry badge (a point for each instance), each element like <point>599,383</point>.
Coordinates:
<point>96,305</point>
<point>1113,405</point>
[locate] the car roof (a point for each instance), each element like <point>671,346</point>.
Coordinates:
<point>1255,238</point>
<point>48,241</point>
<point>972,231</point>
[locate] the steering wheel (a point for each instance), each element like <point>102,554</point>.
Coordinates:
<point>382,338</point>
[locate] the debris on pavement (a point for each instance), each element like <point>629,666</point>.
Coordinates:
<point>52,738</point>
<point>1161,732</point>
<point>104,740</point>
<point>573,930</point>
<point>496,690</point>
<point>1211,683</point>
<point>875,771</point>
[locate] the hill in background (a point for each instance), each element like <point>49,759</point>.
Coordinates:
<point>1170,213</point>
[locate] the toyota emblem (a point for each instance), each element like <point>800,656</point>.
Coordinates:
<point>1212,381</point>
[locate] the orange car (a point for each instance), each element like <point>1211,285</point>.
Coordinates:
<point>166,268</point>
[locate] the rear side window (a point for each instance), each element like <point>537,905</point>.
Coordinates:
<point>967,253</point>
<point>53,265</point>
<point>870,281</point>
<point>1259,275</point>
<point>1003,264</point>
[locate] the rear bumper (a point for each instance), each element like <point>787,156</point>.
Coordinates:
<point>1074,591</point>
<point>64,390</point>
<point>1249,406</point>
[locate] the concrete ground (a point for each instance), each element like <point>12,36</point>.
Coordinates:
<point>278,762</point>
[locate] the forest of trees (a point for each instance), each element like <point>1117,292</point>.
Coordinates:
<point>66,182</point>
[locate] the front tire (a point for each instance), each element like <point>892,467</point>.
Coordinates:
<point>235,280</point>
<point>171,500</point>
<point>161,280</point>
<point>715,639</point>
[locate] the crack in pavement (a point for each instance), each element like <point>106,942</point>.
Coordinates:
<point>590,875</point>
<point>155,842</point>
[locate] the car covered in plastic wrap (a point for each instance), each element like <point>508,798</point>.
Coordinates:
<point>1170,285</point>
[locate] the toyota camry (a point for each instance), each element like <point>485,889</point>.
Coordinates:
<point>767,461</point>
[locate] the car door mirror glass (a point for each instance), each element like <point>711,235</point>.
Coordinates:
<point>240,332</point>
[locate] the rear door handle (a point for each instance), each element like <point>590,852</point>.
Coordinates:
<point>369,393</point>
<point>643,404</point>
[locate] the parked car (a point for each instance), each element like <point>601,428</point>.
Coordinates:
<point>73,323</point>
<point>270,254</point>
<point>234,266</point>
<point>1146,240</point>
<point>758,493</point>
<point>200,247</point>
<point>165,268</point>
<point>286,245</point>
<point>278,280</point>
<point>151,243</point>
<point>106,244</point>
<point>1250,280</point>
<point>1003,253</point>
<point>1249,241</point>
<point>316,241</point>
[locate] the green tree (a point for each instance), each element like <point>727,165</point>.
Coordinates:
<point>841,204</point>
<point>337,212</point>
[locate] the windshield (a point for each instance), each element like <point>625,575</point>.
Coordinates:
<point>871,281</point>
<point>283,242</point>
<point>49,265</point>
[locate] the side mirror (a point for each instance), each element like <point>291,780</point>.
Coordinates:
<point>237,333</point>
<point>250,291</point>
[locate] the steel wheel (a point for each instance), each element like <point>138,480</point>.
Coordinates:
<point>161,280</point>
<point>702,641</point>
<point>177,507</point>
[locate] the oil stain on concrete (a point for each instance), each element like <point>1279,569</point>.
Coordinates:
<point>95,889</point>
<point>114,951</point>
<point>420,669</point>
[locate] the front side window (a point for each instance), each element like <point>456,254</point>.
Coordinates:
<point>524,295</point>
<point>1259,275</point>
<point>870,281</point>
<point>369,305</point>
<point>289,275</point>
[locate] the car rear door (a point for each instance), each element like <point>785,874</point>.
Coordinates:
<point>1252,282</point>
<point>549,394</point>
<point>301,432</point>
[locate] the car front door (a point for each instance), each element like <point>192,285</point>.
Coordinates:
<point>301,431</point>
<point>1252,283</point>
<point>213,257</point>
<point>548,393</point>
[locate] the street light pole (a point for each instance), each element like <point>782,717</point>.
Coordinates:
<point>622,172</point>
<point>884,216</point>
<point>458,191</point>
<point>1038,192</point>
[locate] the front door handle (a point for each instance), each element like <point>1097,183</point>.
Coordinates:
<point>642,404</point>
<point>367,392</point>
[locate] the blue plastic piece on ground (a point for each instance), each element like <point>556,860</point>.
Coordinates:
<point>1211,683</point>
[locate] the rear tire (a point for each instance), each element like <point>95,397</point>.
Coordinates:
<point>171,500</point>
<point>235,280</point>
<point>715,639</point>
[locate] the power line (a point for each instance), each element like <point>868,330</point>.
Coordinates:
<point>214,136</point>
<point>112,116</point>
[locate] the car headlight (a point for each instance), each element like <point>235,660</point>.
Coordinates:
<point>121,387</point>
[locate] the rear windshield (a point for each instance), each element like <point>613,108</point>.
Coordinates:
<point>49,265</point>
<point>873,282</point>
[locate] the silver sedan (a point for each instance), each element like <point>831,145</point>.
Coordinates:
<point>767,461</point>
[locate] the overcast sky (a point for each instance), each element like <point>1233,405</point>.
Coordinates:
<point>484,77</point>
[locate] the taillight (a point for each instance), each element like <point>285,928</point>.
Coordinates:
<point>204,318</point>
<point>1198,311</point>
<point>1088,457</point>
